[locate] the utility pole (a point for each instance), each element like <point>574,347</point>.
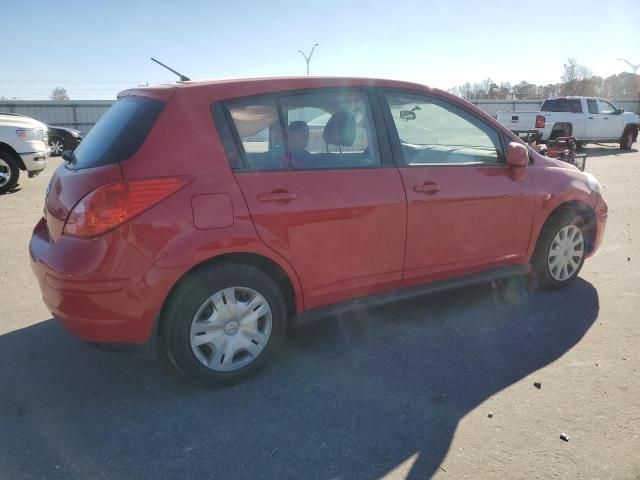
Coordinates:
<point>308,58</point>
<point>634,67</point>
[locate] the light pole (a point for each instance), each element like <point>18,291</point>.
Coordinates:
<point>634,67</point>
<point>308,58</point>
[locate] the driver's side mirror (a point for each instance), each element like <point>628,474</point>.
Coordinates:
<point>619,111</point>
<point>407,115</point>
<point>517,155</point>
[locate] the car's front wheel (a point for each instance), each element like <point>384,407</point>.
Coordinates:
<point>223,323</point>
<point>9,172</point>
<point>560,251</point>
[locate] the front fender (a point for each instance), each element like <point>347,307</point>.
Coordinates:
<point>558,186</point>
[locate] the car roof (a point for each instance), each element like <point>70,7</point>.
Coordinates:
<point>230,88</point>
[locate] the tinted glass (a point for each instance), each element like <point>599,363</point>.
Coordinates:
<point>329,130</point>
<point>592,105</point>
<point>119,132</point>
<point>433,132</point>
<point>323,130</point>
<point>568,105</point>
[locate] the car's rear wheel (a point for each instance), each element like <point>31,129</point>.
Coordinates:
<point>223,323</point>
<point>57,146</point>
<point>560,251</point>
<point>9,172</point>
<point>627,139</point>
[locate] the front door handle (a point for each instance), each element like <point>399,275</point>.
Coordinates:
<point>428,188</point>
<point>590,118</point>
<point>277,196</point>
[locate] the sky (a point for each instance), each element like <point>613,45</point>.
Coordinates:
<point>96,48</point>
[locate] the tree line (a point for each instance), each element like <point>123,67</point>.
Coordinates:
<point>576,79</point>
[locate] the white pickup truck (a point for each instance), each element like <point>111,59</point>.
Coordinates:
<point>588,119</point>
<point>23,146</point>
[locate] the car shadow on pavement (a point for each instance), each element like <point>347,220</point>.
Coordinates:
<point>352,397</point>
<point>605,150</point>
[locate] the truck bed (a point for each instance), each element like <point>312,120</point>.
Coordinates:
<point>518,121</point>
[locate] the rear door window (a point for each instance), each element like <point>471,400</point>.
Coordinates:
<point>567,105</point>
<point>119,133</point>
<point>322,130</point>
<point>329,130</point>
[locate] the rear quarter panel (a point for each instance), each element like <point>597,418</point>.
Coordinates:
<point>576,120</point>
<point>184,142</point>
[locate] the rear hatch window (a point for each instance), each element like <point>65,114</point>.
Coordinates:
<point>119,132</point>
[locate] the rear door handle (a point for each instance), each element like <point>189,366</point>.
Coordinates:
<point>590,118</point>
<point>605,118</point>
<point>277,196</point>
<point>429,188</point>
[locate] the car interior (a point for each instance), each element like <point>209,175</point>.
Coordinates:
<point>323,131</point>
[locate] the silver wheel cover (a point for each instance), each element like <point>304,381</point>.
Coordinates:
<point>231,328</point>
<point>565,253</point>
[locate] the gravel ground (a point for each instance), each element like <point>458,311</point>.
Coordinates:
<point>442,386</point>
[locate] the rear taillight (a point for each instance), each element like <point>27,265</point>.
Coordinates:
<point>539,121</point>
<point>116,203</point>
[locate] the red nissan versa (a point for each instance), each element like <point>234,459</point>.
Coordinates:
<point>197,220</point>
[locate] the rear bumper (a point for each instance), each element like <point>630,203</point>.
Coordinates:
<point>102,290</point>
<point>35,161</point>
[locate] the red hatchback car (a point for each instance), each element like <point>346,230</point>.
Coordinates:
<point>197,220</point>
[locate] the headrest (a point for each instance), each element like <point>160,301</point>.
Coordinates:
<point>340,129</point>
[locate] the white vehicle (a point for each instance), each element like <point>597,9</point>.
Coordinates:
<point>23,146</point>
<point>588,119</point>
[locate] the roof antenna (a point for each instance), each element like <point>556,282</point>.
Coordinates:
<point>183,78</point>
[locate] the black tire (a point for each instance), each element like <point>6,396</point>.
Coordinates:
<point>545,279</point>
<point>11,168</point>
<point>626,141</point>
<point>192,293</point>
<point>52,146</point>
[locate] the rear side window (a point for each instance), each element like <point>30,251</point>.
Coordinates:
<point>592,106</point>
<point>257,125</point>
<point>567,105</point>
<point>119,133</point>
